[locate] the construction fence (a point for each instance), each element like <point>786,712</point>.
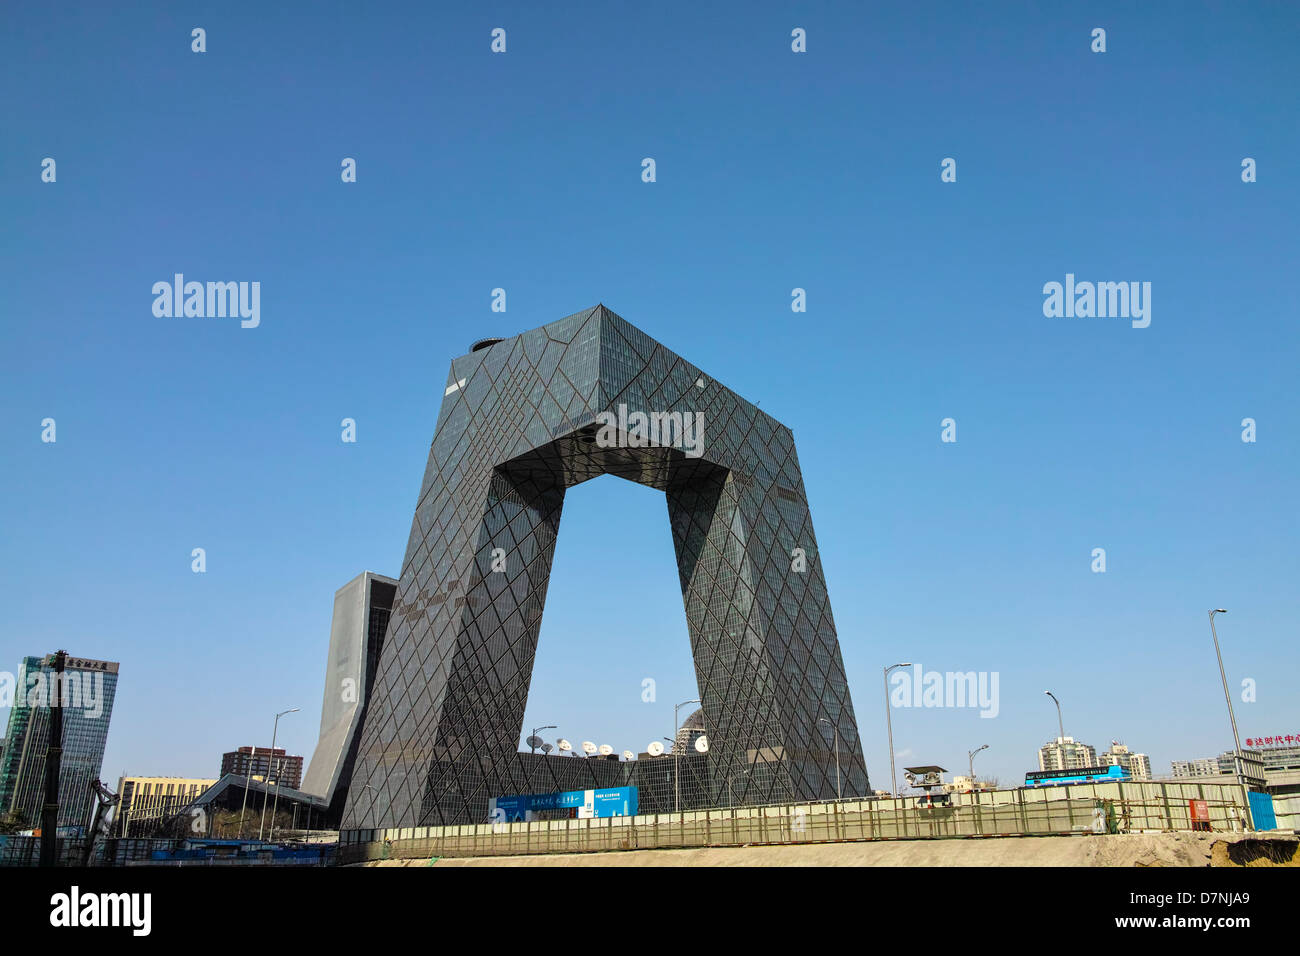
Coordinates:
<point>1119,807</point>
<point>147,851</point>
<point>26,850</point>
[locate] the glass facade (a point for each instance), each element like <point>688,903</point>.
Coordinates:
<point>86,696</point>
<point>362,608</point>
<point>522,420</point>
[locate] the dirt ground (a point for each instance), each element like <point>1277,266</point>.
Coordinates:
<point>1134,849</point>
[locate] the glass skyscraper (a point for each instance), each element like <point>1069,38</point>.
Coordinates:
<point>362,608</point>
<point>522,420</point>
<point>86,696</point>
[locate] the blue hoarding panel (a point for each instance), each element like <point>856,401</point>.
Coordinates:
<point>615,802</point>
<point>609,802</point>
<point>1261,811</point>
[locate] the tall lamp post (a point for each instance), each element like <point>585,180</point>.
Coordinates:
<point>276,805</point>
<point>248,775</point>
<point>677,778</point>
<point>839,795</point>
<point>1060,749</point>
<point>889,721</point>
<point>1059,722</point>
<point>1236,740</point>
<point>731,800</point>
<point>971,754</point>
<point>275,730</point>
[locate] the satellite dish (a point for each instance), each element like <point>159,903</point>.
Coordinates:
<point>547,748</point>
<point>606,750</point>
<point>702,744</point>
<point>588,747</point>
<point>655,748</point>
<point>564,744</point>
<point>628,755</point>
<point>534,741</point>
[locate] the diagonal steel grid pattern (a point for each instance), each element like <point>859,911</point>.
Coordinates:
<point>518,426</point>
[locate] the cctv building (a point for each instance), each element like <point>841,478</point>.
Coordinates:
<point>361,611</point>
<point>522,420</point>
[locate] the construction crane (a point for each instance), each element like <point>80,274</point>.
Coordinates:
<point>53,765</point>
<point>105,800</point>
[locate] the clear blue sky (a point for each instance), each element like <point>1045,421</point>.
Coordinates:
<point>775,170</point>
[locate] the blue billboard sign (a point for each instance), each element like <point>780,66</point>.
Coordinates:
<point>609,802</point>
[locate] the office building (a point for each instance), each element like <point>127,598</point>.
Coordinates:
<point>1138,765</point>
<point>1065,753</point>
<point>1256,765</point>
<point>361,611</point>
<point>1278,754</point>
<point>85,695</point>
<point>146,799</point>
<point>262,763</point>
<point>691,730</point>
<point>1205,767</point>
<point>522,420</point>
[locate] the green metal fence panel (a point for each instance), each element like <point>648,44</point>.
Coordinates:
<point>1120,807</point>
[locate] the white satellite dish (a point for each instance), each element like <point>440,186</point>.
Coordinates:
<point>564,744</point>
<point>547,748</point>
<point>606,750</point>
<point>702,744</point>
<point>588,747</point>
<point>534,741</point>
<point>655,748</point>
<point>628,755</point>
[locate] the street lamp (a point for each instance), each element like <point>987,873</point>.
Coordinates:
<point>248,774</point>
<point>731,800</point>
<point>1059,723</point>
<point>1060,741</point>
<point>889,720</point>
<point>1237,766</point>
<point>270,758</point>
<point>971,754</point>
<point>677,779</point>
<point>276,805</point>
<point>532,748</point>
<point>838,793</point>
